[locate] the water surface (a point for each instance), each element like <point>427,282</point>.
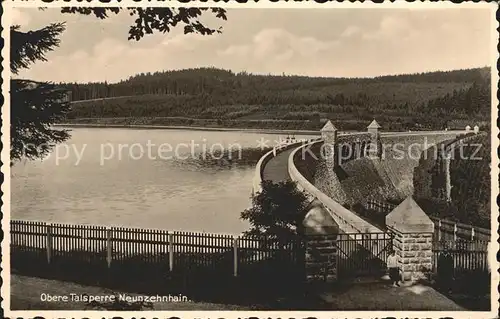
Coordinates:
<point>126,188</point>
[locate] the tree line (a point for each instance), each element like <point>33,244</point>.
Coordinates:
<point>197,81</point>
<point>420,101</point>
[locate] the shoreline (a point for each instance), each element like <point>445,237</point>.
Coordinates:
<point>191,128</point>
<point>244,130</point>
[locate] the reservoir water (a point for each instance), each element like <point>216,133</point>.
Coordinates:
<point>139,178</point>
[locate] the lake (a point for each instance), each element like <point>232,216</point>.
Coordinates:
<point>139,178</point>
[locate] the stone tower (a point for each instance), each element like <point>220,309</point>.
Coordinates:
<point>375,146</point>
<point>329,182</point>
<point>329,136</point>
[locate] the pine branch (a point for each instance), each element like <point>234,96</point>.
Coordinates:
<point>29,47</point>
<point>35,106</point>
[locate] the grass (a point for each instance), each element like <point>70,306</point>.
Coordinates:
<point>26,295</point>
<point>261,285</point>
<point>381,296</point>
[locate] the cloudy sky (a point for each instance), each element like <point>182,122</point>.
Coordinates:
<point>315,42</point>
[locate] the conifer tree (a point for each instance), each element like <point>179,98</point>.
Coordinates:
<point>278,210</point>
<point>34,106</point>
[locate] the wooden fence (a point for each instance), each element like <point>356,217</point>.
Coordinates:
<point>468,256</point>
<point>450,230</point>
<point>171,251</point>
<point>380,206</point>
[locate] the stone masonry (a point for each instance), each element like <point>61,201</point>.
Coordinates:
<point>414,253</point>
<point>375,147</point>
<point>329,136</point>
<point>333,188</point>
<point>321,259</point>
<point>413,231</point>
<point>320,234</point>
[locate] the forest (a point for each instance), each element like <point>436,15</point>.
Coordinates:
<point>221,98</point>
<point>470,176</point>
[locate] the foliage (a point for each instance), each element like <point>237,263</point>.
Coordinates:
<point>35,106</point>
<point>28,47</point>
<point>421,101</point>
<point>277,211</point>
<point>151,19</point>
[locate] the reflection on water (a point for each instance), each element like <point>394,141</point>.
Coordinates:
<point>133,190</point>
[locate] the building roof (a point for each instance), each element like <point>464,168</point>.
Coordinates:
<point>329,127</point>
<point>374,124</point>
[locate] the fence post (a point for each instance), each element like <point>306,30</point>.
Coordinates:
<point>235,254</point>
<point>455,232</point>
<point>171,251</point>
<point>472,234</point>
<point>49,241</point>
<point>109,246</point>
<point>439,230</point>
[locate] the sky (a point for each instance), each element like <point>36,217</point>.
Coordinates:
<point>313,42</point>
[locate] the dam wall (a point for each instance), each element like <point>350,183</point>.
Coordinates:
<point>347,220</point>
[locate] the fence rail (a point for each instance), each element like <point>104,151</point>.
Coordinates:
<point>173,250</point>
<point>444,229</point>
<point>450,230</point>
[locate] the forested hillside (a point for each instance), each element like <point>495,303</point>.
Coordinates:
<point>223,98</point>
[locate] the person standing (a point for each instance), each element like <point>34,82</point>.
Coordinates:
<point>392,266</point>
<point>445,269</point>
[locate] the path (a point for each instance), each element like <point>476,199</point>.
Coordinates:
<point>276,169</point>
<point>102,99</point>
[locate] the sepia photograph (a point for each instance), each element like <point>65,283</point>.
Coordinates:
<point>235,158</point>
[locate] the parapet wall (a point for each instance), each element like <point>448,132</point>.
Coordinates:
<point>348,221</point>
<point>397,173</point>
<point>390,178</point>
<point>400,177</point>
